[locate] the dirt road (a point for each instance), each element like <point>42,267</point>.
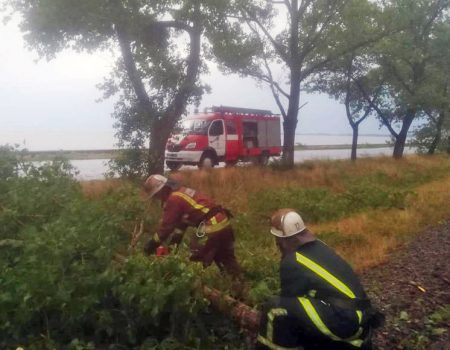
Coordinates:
<point>413,290</point>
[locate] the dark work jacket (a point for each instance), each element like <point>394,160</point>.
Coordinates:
<point>297,281</point>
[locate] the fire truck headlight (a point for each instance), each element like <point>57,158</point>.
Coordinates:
<point>191,145</point>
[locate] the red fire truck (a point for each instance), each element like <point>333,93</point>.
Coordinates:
<point>225,134</point>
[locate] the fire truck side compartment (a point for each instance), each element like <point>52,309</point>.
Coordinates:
<point>250,134</point>
<point>262,133</point>
<point>273,132</point>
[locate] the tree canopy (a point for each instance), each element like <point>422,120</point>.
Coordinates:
<point>390,57</point>
<point>295,39</point>
<point>406,61</point>
<point>160,57</point>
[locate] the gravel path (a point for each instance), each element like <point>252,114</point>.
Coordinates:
<point>413,290</point>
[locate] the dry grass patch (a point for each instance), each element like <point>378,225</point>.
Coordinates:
<point>365,237</point>
<point>231,186</point>
<point>385,230</point>
<point>94,189</point>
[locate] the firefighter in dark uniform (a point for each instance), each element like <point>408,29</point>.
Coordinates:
<point>322,303</point>
<point>184,207</point>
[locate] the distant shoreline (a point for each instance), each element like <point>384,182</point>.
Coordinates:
<point>113,153</point>
<point>38,156</point>
<point>343,146</point>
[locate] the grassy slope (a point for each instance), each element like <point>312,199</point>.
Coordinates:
<point>364,210</point>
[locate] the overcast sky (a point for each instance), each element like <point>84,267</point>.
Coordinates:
<point>52,105</point>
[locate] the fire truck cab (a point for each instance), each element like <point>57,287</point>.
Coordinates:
<point>225,134</point>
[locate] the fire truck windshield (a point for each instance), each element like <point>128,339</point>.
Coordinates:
<point>195,127</point>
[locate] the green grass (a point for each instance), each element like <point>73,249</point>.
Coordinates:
<point>63,284</point>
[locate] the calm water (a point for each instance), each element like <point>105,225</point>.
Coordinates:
<point>93,169</point>
<point>311,140</point>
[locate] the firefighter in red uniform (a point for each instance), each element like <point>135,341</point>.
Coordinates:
<point>183,207</point>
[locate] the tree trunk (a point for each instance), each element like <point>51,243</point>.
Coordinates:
<point>156,149</point>
<point>246,317</point>
<point>400,140</point>
<point>290,122</point>
<point>289,126</point>
<point>355,128</point>
<point>162,124</point>
<point>161,130</point>
<point>437,136</point>
<point>295,65</point>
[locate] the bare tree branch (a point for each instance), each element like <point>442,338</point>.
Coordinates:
<point>288,4</point>
<point>193,65</point>
<point>369,109</point>
<point>440,6</point>
<point>132,72</point>
<point>268,79</point>
<point>399,77</point>
<point>332,57</point>
<point>275,84</point>
<point>377,109</point>
<point>431,116</point>
<point>274,92</point>
<point>347,92</point>
<point>303,7</point>
<point>278,47</point>
<point>349,113</point>
<point>314,38</point>
<point>303,105</point>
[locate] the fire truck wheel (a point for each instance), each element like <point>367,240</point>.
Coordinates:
<point>207,162</point>
<point>174,166</point>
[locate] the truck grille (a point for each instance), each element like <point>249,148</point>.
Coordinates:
<point>174,148</point>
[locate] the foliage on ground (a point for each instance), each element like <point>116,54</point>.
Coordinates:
<point>71,280</point>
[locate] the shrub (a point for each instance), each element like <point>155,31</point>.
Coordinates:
<point>63,285</point>
<point>9,165</point>
<point>318,205</point>
<point>314,204</point>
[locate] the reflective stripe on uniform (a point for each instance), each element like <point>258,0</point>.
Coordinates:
<point>360,315</point>
<point>191,201</point>
<point>217,227</point>
<point>340,286</point>
<point>315,318</point>
<point>271,345</point>
<point>271,316</point>
<point>319,270</point>
<point>208,228</point>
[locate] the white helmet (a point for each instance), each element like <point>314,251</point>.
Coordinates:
<point>154,184</point>
<point>286,223</point>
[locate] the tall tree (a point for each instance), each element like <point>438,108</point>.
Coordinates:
<point>338,80</point>
<point>405,61</point>
<point>312,36</point>
<point>434,134</point>
<point>160,51</point>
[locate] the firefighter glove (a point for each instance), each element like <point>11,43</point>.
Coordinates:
<point>151,246</point>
